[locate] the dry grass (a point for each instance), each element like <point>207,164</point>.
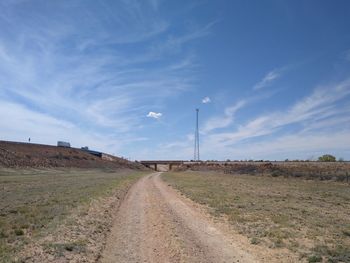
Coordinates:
<point>310,218</point>
<point>33,203</point>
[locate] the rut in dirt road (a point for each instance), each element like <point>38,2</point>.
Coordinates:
<point>155,224</point>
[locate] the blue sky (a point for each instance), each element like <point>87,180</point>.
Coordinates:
<point>271,78</point>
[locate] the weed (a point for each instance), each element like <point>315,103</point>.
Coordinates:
<point>60,248</point>
<point>277,243</point>
<point>19,232</point>
<point>314,258</point>
<point>255,241</point>
<point>276,173</point>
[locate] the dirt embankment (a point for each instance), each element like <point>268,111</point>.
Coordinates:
<point>16,155</point>
<point>337,171</point>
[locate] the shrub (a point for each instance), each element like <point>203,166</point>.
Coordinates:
<point>254,241</point>
<point>19,232</point>
<point>314,258</point>
<point>275,173</point>
<point>327,158</point>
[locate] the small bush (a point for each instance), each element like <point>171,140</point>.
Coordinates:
<point>69,247</point>
<point>59,248</point>
<point>277,243</point>
<point>314,258</point>
<point>255,241</point>
<point>275,173</point>
<point>19,232</point>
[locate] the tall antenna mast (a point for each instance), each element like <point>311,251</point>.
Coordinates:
<point>196,139</point>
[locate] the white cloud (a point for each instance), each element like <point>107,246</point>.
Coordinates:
<point>155,115</point>
<point>267,80</point>
<point>206,100</point>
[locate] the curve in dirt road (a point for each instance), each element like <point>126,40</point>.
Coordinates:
<point>155,224</point>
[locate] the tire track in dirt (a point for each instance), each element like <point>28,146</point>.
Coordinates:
<point>155,224</point>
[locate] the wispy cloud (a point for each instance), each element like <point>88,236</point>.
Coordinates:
<point>78,71</point>
<point>319,105</point>
<point>292,146</point>
<point>23,123</point>
<point>174,43</point>
<point>223,121</point>
<point>316,124</point>
<point>267,80</point>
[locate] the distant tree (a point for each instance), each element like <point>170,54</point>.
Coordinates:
<point>327,158</point>
<point>341,159</point>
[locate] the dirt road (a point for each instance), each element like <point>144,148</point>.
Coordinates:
<point>156,224</point>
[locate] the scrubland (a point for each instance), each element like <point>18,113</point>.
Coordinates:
<point>308,218</point>
<point>61,213</point>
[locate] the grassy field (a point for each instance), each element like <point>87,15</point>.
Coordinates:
<point>310,218</point>
<point>33,203</point>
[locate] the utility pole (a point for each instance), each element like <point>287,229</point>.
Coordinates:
<point>196,139</point>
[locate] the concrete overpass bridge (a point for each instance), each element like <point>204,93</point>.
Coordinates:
<point>162,165</point>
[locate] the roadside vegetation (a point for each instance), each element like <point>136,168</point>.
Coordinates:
<point>320,170</point>
<point>34,203</point>
<point>327,158</point>
<point>310,218</point>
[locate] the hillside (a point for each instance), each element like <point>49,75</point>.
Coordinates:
<point>15,155</point>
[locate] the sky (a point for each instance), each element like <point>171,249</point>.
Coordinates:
<point>271,78</point>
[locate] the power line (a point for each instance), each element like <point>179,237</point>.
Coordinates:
<point>196,139</point>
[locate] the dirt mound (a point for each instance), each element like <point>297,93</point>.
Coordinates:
<point>15,155</point>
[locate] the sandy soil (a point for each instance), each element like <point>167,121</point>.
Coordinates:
<point>156,224</point>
